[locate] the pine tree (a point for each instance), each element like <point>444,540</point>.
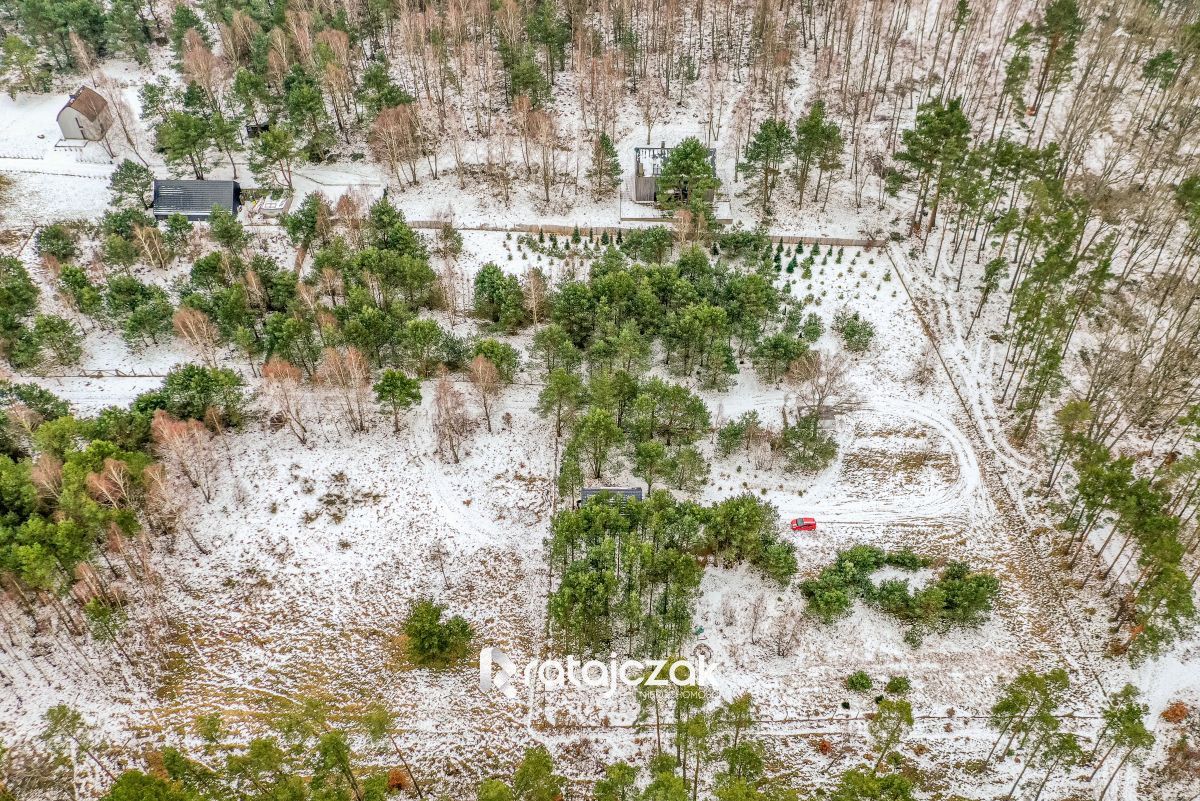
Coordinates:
<point>687,175</point>
<point>619,783</point>
<point>1026,703</point>
<point>21,58</point>
<point>272,156</point>
<point>1124,730</point>
<point>131,184</point>
<point>649,462</point>
<point>185,139</point>
<point>596,434</point>
<point>127,32</point>
<point>817,143</point>
<point>551,32</point>
<point>433,641</point>
<point>763,158</point>
<point>553,349</point>
<point>561,398</point>
<point>605,170</point>
<point>1060,29</point>
<point>933,149</point>
<point>395,391</point>
<point>893,718</point>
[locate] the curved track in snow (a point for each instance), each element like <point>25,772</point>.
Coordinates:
<point>954,500</point>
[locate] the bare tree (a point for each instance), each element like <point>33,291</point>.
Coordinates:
<point>239,43</point>
<point>151,245</point>
<point>279,59</point>
<point>338,75</point>
<point>46,475</point>
<point>821,380</point>
<point>448,288</point>
<point>652,103</point>
<point>536,293</point>
<point>758,610</point>
<point>397,141</point>
<point>454,132</point>
<point>299,26</point>
<point>194,327</point>
<point>601,86</point>
<point>84,57</point>
<point>523,113</point>
<point>160,504</point>
<point>281,380</point>
<point>485,380</point>
<point>689,227</point>
<point>499,158</point>
<point>186,447</point>
<point>350,214</point>
<point>122,113</point>
<point>545,129</point>
<point>202,67</point>
<point>439,554</point>
<point>346,372</point>
<point>451,422</point>
<point>432,128</point>
<point>785,632</point>
<point>714,103</point>
<point>925,368</point>
<point>111,485</point>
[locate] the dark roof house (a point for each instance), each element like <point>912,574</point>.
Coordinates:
<point>195,199</point>
<point>85,116</point>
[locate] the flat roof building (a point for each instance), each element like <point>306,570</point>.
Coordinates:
<point>647,166</point>
<point>620,495</point>
<point>195,199</point>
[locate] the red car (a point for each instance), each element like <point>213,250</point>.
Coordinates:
<point>804,524</point>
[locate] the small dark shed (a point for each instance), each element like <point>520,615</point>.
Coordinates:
<point>620,495</point>
<point>195,199</point>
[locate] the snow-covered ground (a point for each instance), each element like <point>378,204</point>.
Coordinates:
<point>304,563</point>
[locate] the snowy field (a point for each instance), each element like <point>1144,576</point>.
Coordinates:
<point>294,579</point>
<point>296,576</point>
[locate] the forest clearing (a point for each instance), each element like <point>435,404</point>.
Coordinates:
<point>847,349</point>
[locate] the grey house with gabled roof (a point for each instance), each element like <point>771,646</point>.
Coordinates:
<point>195,199</point>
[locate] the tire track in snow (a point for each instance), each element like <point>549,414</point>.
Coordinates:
<point>1034,557</point>
<point>964,367</point>
<point>957,501</point>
